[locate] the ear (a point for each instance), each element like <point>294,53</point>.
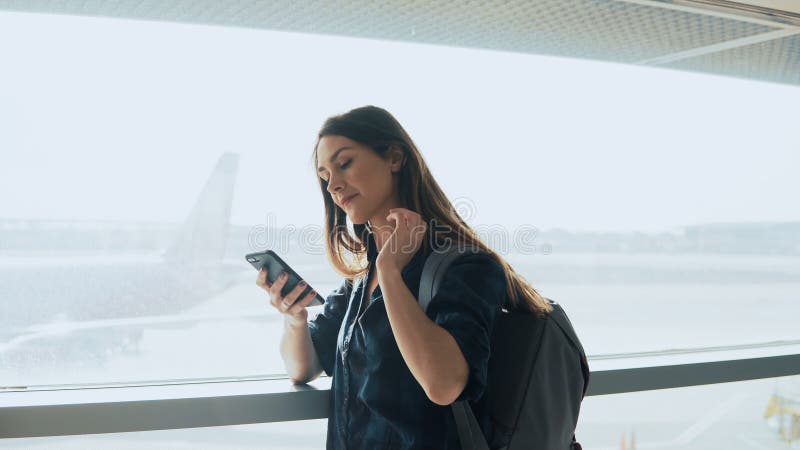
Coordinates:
<point>397,158</point>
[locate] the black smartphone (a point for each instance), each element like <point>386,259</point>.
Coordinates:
<point>275,266</point>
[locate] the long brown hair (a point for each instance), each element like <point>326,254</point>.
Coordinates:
<point>418,191</point>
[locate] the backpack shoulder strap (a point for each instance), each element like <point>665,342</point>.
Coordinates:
<point>470,434</point>
<point>560,318</point>
<point>433,272</point>
<point>563,322</point>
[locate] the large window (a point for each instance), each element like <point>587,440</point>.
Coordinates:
<point>140,161</point>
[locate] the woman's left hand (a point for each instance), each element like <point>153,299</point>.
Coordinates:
<point>407,237</point>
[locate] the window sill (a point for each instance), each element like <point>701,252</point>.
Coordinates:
<point>113,409</point>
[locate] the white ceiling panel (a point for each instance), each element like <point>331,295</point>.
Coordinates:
<point>716,36</point>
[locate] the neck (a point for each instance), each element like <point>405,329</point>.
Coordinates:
<point>382,230</point>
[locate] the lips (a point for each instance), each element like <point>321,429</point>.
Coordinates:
<point>348,200</point>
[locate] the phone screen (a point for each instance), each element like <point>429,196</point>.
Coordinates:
<point>275,266</point>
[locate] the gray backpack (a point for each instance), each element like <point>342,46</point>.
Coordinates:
<point>538,375</point>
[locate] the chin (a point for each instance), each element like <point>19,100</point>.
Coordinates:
<point>358,220</point>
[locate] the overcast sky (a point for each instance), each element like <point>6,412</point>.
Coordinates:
<point>123,120</point>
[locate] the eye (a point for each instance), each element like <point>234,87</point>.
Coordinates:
<point>343,166</point>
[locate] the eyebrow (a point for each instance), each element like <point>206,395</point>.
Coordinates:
<point>335,154</point>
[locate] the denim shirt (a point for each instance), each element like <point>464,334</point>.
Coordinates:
<point>376,401</point>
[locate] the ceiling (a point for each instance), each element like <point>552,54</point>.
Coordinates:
<point>756,39</point>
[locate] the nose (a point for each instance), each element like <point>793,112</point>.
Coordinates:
<point>334,184</point>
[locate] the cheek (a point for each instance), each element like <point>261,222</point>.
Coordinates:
<point>370,180</point>
<point>375,187</point>
<point>363,180</point>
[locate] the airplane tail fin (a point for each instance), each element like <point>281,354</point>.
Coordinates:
<point>203,236</point>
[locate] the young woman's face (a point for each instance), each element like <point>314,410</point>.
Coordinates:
<point>354,171</point>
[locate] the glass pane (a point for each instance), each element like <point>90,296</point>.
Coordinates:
<point>142,160</point>
<point>759,414</point>
<point>714,300</point>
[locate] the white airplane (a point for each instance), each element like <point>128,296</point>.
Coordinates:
<point>105,290</point>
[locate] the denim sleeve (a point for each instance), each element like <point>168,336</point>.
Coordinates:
<point>324,328</point>
<point>466,304</point>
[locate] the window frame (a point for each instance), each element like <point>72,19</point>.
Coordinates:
<point>115,409</point>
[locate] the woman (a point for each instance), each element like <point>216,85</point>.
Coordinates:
<point>395,368</point>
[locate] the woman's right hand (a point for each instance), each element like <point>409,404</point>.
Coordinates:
<point>293,309</point>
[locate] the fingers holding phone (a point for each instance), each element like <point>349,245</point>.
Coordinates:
<point>283,302</point>
<point>284,285</point>
<point>290,304</point>
<point>262,281</point>
<point>274,266</point>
